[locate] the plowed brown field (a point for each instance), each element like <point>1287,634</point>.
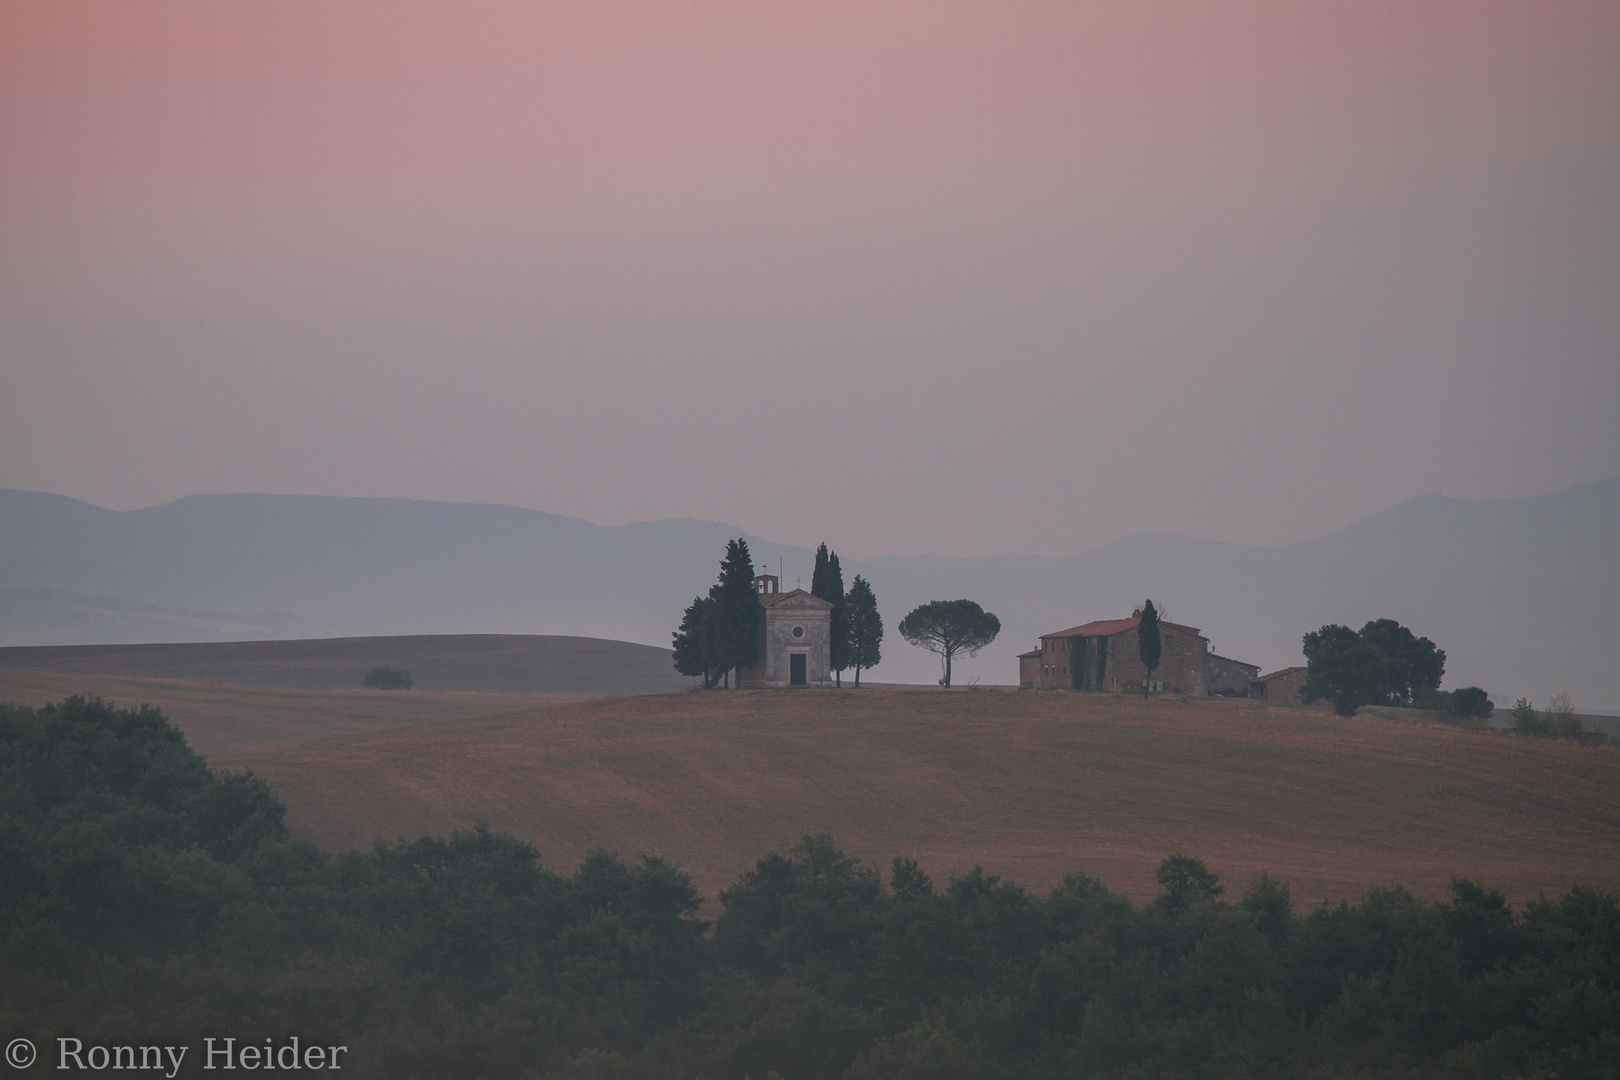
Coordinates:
<point>1030,785</point>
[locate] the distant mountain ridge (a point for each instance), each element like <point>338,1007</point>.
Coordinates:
<point>1522,593</point>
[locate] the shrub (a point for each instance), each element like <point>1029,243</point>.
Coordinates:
<point>387,678</point>
<point>1558,722</point>
<point>1472,703</point>
<point>1562,723</point>
<point>1426,697</point>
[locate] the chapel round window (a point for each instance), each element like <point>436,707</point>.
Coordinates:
<point>798,631</point>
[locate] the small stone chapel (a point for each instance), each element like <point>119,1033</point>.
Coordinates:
<point>796,639</point>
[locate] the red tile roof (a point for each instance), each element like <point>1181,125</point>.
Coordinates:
<point>1110,627</point>
<point>1101,628</point>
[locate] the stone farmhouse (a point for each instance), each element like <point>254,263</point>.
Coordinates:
<point>795,641</point>
<point>1103,655</point>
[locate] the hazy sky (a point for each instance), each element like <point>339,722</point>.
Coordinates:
<point>964,278</point>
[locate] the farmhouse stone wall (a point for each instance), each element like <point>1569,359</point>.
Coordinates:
<point>1051,662</point>
<point>1181,661</point>
<point>1222,674</point>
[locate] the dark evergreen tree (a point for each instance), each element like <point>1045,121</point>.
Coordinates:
<point>840,621</point>
<point>827,582</point>
<point>741,617</point>
<point>697,642</point>
<point>864,627</point>
<point>1149,646</point>
<point>721,631</point>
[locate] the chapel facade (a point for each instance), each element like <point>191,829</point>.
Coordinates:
<point>795,639</point>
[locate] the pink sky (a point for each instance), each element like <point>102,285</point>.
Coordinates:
<point>952,277</point>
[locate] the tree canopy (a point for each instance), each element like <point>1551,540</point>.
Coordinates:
<point>1410,662</point>
<point>1342,667</point>
<point>948,627</point>
<point>1384,664</point>
<point>1187,881</point>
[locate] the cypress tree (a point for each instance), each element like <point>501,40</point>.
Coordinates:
<point>1148,644</point>
<point>863,627</point>
<point>840,620</point>
<point>818,576</point>
<point>740,616</point>
<point>827,582</point>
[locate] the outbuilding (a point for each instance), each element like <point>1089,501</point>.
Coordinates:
<point>1282,687</point>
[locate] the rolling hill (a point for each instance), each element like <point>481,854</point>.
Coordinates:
<point>220,718</point>
<point>498,663</point>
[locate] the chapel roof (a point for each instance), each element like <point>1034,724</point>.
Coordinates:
<point>798,596</point>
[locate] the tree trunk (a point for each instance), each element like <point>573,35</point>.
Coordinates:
<point>947,671</point>
<point>857,678</point>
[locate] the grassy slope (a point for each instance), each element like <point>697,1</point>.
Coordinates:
<point>1030,785</point>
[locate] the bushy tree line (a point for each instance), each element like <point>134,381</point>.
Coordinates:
<point>147,899</point>
<point>1558,720</point>
<point>1384,663</point>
